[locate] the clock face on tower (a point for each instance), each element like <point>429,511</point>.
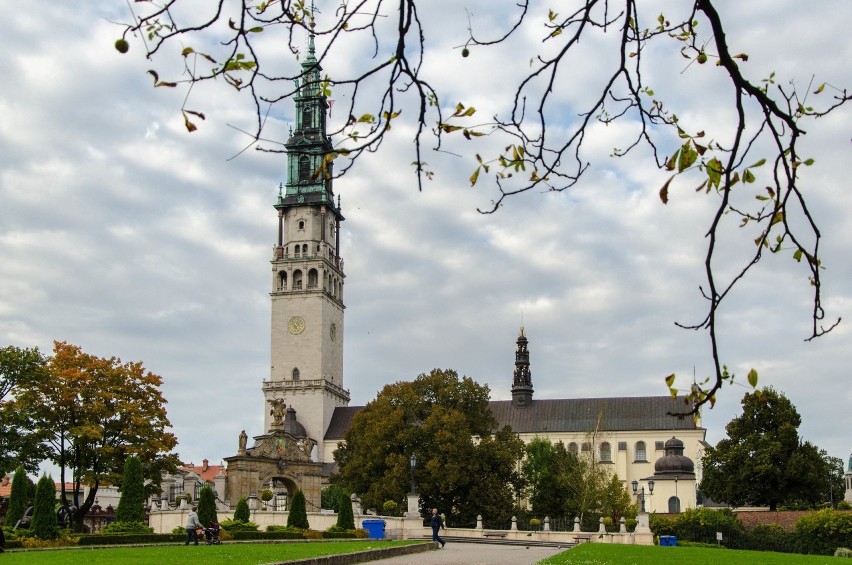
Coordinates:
<point>296,325</point>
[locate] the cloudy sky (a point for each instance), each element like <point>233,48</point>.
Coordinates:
<point>124,234</point>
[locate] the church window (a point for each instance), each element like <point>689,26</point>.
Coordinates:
<point>301,224</point>
<point>572,448</point>
<point>659,445</point>
<point>674,505</point>
<point>282,280</point>
<point>305,249</point>
<point>640,455</point>
<point>297,280</point>
<point>606,452</point>
<point>304,170</point>
<point>313,277</point>
<point>587,446</point>
<point>622,446</point>
<point>298,251</point>
<point>295,373</point>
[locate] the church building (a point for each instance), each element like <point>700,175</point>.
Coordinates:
<point>307,410</point>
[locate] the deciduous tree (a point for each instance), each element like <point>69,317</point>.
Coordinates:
<point>92,413</point>
<point>763,461</point>
<point>445,422</point>
<point>531,144</point>
<point>19,368</point>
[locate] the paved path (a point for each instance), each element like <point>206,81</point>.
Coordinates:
<point>475,554</point>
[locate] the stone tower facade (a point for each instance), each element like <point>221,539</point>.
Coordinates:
<point>522,389</point>
<point>307,273</point>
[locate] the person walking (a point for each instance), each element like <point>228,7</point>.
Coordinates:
<point>437,523</point>
<point>193,524</point>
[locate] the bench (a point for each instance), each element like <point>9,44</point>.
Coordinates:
<point>580,537</point>
<point>494,534</point>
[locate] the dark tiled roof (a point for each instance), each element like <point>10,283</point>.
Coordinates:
<point>580,414</point>
<point>340,421</point>
<point>566,415</point>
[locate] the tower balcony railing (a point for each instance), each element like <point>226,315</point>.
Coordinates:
<point>303,384</point>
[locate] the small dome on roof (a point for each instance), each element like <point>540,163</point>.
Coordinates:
<point>292,426</point>
<point>674,462</point>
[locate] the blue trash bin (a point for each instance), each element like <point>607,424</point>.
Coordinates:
<point>375,528</point>
<point>668,541</point>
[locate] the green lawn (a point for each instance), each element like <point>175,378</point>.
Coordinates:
<point>248,553</point>
<point>606,554</point>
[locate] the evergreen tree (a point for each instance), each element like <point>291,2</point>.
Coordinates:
<point>131,505</point>
<point>207,506</point>
<point>18,497</point>
<point>241,513</point>
<point>298,516</point>
<point>44,524</point>
<point>345,519</point>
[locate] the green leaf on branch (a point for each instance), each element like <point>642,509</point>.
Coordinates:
<point>752,378</point>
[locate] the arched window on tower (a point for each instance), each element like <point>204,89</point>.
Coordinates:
<point>305,249</point>
<point>301,224</point>
<point>304,173</point>
<point>282,280</point>
<point>297,251</point>
<point>640,454</point>
<point>674,505</point>
<point>313,277</point>
<point>606,452</point>
<point>295,373</point>
<point>307,117</point>
<point>297,280</point>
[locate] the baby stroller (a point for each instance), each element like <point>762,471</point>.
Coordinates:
<point>211,534</point>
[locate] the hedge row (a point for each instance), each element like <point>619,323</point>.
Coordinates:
<point>818,533</point>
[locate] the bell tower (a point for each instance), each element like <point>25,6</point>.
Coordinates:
<point>307,272</point>
<point>522,389</point>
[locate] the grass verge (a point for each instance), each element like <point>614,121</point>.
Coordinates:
<point>242,553</point>
<point>606,554</point>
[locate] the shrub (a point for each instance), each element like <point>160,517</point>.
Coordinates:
<point>241,513</point>
<point>701,524</point>
<point>630,524</point>
<point>234,526</point>
<point>330,496</point>
<point>843,552</point>
<point>61,540</point>
<point>345,519</point>
<point>843,505</point>
<point>661,525</point>
<point>298,516</point>
<point>131,505</point>
<point>535,523</point>
<point>207,506</point>
<point>390,508</point>
<point>266,495</point>
<point>769,537</point>
<point>44,525</point>
<point>312,534</point>
<point>130,528</point>
<point>823,532</point>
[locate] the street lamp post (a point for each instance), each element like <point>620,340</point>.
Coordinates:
<point>640,493</point>
<point>413,499</point>
<point>413,462</point>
